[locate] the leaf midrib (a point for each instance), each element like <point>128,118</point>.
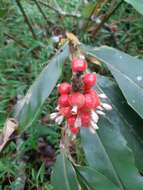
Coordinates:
<point>65,174</point>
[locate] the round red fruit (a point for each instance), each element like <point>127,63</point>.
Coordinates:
<point>85,119</point>
<point>71,121</point>
<point>63,100</point>
<point>74,130</point>
<point>64,88</point>
<point>79,65</point>
<point>89,102</point>
<point>77,99</point>
<point>97,102</point>
<point>95,97</point>
<point>65,111</point>
<point>89,80</point>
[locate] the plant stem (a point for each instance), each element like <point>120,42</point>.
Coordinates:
<point>26,19</point>
<point>21,176</point>
<point>19,42</point>
<point>42,12</point>
<point>59,12</point>
<point>107,16</point>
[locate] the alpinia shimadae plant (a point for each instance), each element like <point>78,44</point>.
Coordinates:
<point>111,155</point>
<point>78,103</point>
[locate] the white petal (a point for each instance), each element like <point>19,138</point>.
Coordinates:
<point>103,96</point>
<point>78,122</point>
<point>59,119</point>
<point>94,116</point>
<point>94,125</point>
<point>106,106</point>
<point>100,112</point>
<point>53,115</point>
<point>100,108</point>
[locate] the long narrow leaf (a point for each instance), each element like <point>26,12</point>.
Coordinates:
<point>137,4</point>
<point>64,176</point>
<point>127,70</point>
<point>108,153</point>
<point>28,108</point>
<point>124,118</point>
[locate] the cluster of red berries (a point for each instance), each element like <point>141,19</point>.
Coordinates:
<point>78,107</point>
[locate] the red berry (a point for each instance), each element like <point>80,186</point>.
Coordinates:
<point>71,121</point>
<point>65,111</point>
<point>85,119</point>
<point>77,99</point>
<point>79,65</point>
<point>74,130</point>
<point>97,102</point>
<point>63,100</point>
<point>64,88</point>
<point>95,97</point>
<point>89,102</point>
<point>89,80</point>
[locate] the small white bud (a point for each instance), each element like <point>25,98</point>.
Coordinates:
<point>100,112</point>
<point>100,108</point>
<point>94,116</point>
<point>103,96</point>
<point>53,115</point>
<point>106,106</point>
<point>59,119</point>
<point>94,125</point>
<point>78,122</point>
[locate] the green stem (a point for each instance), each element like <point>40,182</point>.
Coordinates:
<point>26,19</point>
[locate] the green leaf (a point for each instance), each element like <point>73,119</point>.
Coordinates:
<point>64,176</point>
<point>127,70</point>
<point>137,4</point>
<point>108,153</point>
<point>3,12</point>
<point>95,180</point>
<point>28,108</point>
<point>87,10</point>
<point>124,118</point>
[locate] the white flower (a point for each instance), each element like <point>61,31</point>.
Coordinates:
<point>106,106</point>
<point>94,125</point>
<point>59,119</point>
<point>103,96</point>
<point>94,116</point>
<point>100,112</point>
<point>78,122</point>
<point>53,115</point>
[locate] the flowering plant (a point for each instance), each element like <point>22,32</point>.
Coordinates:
<point>79,105</point>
